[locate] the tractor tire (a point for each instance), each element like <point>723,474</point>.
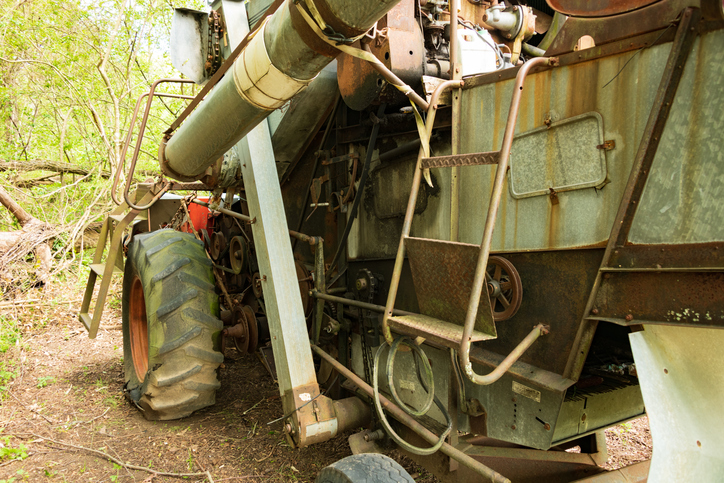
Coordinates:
<point>367,468</point>
<point>171,325</point>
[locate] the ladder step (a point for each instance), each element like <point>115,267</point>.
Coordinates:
<point>435,330</point>
<point>99,268</point>
<point>472,159</point>
<point>119,218</point>
<point>86,320</point>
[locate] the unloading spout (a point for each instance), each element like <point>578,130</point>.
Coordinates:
<point>280,60</point>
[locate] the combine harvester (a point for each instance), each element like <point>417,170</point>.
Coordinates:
<point>484,238</point>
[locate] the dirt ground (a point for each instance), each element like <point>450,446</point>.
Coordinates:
<point>66,411</point>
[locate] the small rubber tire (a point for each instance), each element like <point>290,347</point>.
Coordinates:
<point>367,468</point>
<point>171,325</point>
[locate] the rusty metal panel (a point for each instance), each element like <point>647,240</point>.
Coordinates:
<point>670,298</point>
<point>683,198</point>
<point>563,156</point>
<point>443,275</point>
<point>597,8</point>
<point>581,217</point>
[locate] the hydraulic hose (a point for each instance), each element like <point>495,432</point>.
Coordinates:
<point>381,415</point>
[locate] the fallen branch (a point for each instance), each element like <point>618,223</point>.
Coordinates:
<point>119,462</point>
<point>48,165</point>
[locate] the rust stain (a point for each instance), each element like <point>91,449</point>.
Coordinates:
<point>553,223</point>
<point>498,116</point>
<point>541,103</point>
<point>582,88</point>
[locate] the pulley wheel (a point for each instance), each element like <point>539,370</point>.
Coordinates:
<point>218,244</point>
<point>504,288</point>
<point>237,248</point>
<point>253,329</point>
<point>240,329</point>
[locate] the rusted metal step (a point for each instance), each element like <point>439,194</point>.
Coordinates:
<point>99,268</point>
<point>471,159</point>
<point>434,330</point>
<point>443,274</point>
<point>119,218</point>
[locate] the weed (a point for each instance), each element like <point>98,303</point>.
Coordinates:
<point>116,467</point>
<point>45,381</point>
<point>7,452</point>
<point>190,461</point>
<point>111,401</point>
<point>9,333</point>
<point>7,373</point>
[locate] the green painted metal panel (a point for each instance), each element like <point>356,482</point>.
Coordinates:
<point>682,200</point>
<point>581,217</point>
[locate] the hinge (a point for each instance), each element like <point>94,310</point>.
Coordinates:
<point>607,145</point>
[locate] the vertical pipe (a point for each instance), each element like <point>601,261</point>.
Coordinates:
<point>407,223</point>
<point>455,73</point>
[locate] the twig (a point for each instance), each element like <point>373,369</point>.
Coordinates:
<point>119,462</point>
<point>267,456</point>
<point>255,405</point>
<point>75,423</point>
<point>29,409</point>
<point>241,477</point>
<point>33,302</point>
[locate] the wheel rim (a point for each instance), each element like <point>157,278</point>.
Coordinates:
<point>138,328</point>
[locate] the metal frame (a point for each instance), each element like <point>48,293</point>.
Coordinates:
<point>685,36</point>
<point>113,263</point>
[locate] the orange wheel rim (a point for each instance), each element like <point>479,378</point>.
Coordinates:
<point>138,329</point>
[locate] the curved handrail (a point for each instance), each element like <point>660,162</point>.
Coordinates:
<point>479,280</point>
<point>124,150</point>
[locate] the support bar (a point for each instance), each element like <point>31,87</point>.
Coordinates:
<point>411,423</point>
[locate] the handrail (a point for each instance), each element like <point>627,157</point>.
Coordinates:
<point>417,178</point>
<point>122,160</point>
<point>480,271</point>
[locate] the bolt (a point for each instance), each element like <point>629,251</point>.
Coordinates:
<point>547,427</point>
<point>583,417</point>
<point>514,400</point>
<point>361,284</point>
<point>666,371</point>
<point>513,427</point>
<point>594,311</point>
<point>629,318</point>
<point>288,428</point>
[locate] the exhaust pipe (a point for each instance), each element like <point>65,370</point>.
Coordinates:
<point>282,58</point>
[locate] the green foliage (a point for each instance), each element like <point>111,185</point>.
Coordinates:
<point>45,381</point>
<point>9,333</point>
<point>70,75</point>
<point>118,468</point>
<point>8,452</point>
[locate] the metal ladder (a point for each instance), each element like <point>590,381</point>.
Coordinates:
<point>478,323</point>
<point>114,227</point>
